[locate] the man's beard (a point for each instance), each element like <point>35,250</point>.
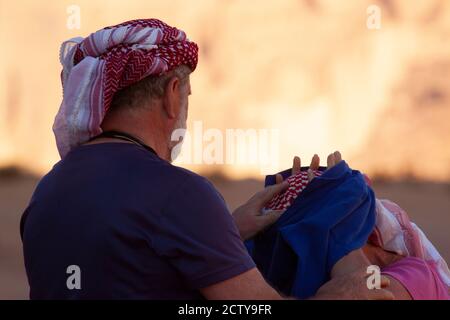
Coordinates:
<point>178,134</point>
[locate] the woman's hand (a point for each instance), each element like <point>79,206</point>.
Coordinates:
<point>332,160</point>
<point>249,218</point>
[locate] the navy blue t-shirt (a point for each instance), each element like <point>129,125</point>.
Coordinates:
<point>136,226</point>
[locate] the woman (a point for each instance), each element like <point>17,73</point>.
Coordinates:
<point>397,246</point>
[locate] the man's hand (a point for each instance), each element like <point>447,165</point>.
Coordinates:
<point>353,286</point>
<point>251,285</point>
<point>249,218</point>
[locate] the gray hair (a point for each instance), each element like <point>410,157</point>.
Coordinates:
<point>151,87</point>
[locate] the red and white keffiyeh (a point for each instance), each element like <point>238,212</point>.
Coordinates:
<point>96,67</point>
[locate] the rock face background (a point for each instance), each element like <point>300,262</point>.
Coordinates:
<point>308,68</point>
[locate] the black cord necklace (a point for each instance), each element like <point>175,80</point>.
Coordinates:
<point>123,136</point>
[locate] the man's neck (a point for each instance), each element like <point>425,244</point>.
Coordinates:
<point>151,138</point>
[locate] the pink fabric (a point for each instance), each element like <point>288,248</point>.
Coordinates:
<point>419,277</point>
<point>385,230</point>
<point>96,67</point>
<point>396,233</point>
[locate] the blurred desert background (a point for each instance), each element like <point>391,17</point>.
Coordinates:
<point>311,69</point>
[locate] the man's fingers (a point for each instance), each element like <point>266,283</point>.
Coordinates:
<point>296,165</point>
<point>269,192</point>
<point>385,282</point>
<point>381,294</point>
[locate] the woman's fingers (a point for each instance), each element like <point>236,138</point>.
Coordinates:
<point>310,174</point>
<point>315,162</point>
<point>296,165</point>
<point>331,161</point>
<point>337,156</point>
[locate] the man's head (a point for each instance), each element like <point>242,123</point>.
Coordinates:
<point>132,77</point>
<point>152,109</point>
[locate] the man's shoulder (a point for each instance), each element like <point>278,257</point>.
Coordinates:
<point>192,179</point>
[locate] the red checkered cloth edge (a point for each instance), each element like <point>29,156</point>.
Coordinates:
<point>297,183</point>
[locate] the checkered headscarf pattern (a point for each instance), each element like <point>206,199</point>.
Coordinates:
<point>96,67</point>
<point>297,183</point>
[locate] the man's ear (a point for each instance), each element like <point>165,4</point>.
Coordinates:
<point>171,98</point>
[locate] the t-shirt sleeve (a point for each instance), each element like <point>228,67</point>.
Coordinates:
<point>420,278</point>
<point>199,237</point>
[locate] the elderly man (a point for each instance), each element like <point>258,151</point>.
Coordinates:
<point>114,218</point>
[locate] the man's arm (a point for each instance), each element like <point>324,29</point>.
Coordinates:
<point>250,285</point>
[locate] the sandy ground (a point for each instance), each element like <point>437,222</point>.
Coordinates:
<point>427,203</point>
